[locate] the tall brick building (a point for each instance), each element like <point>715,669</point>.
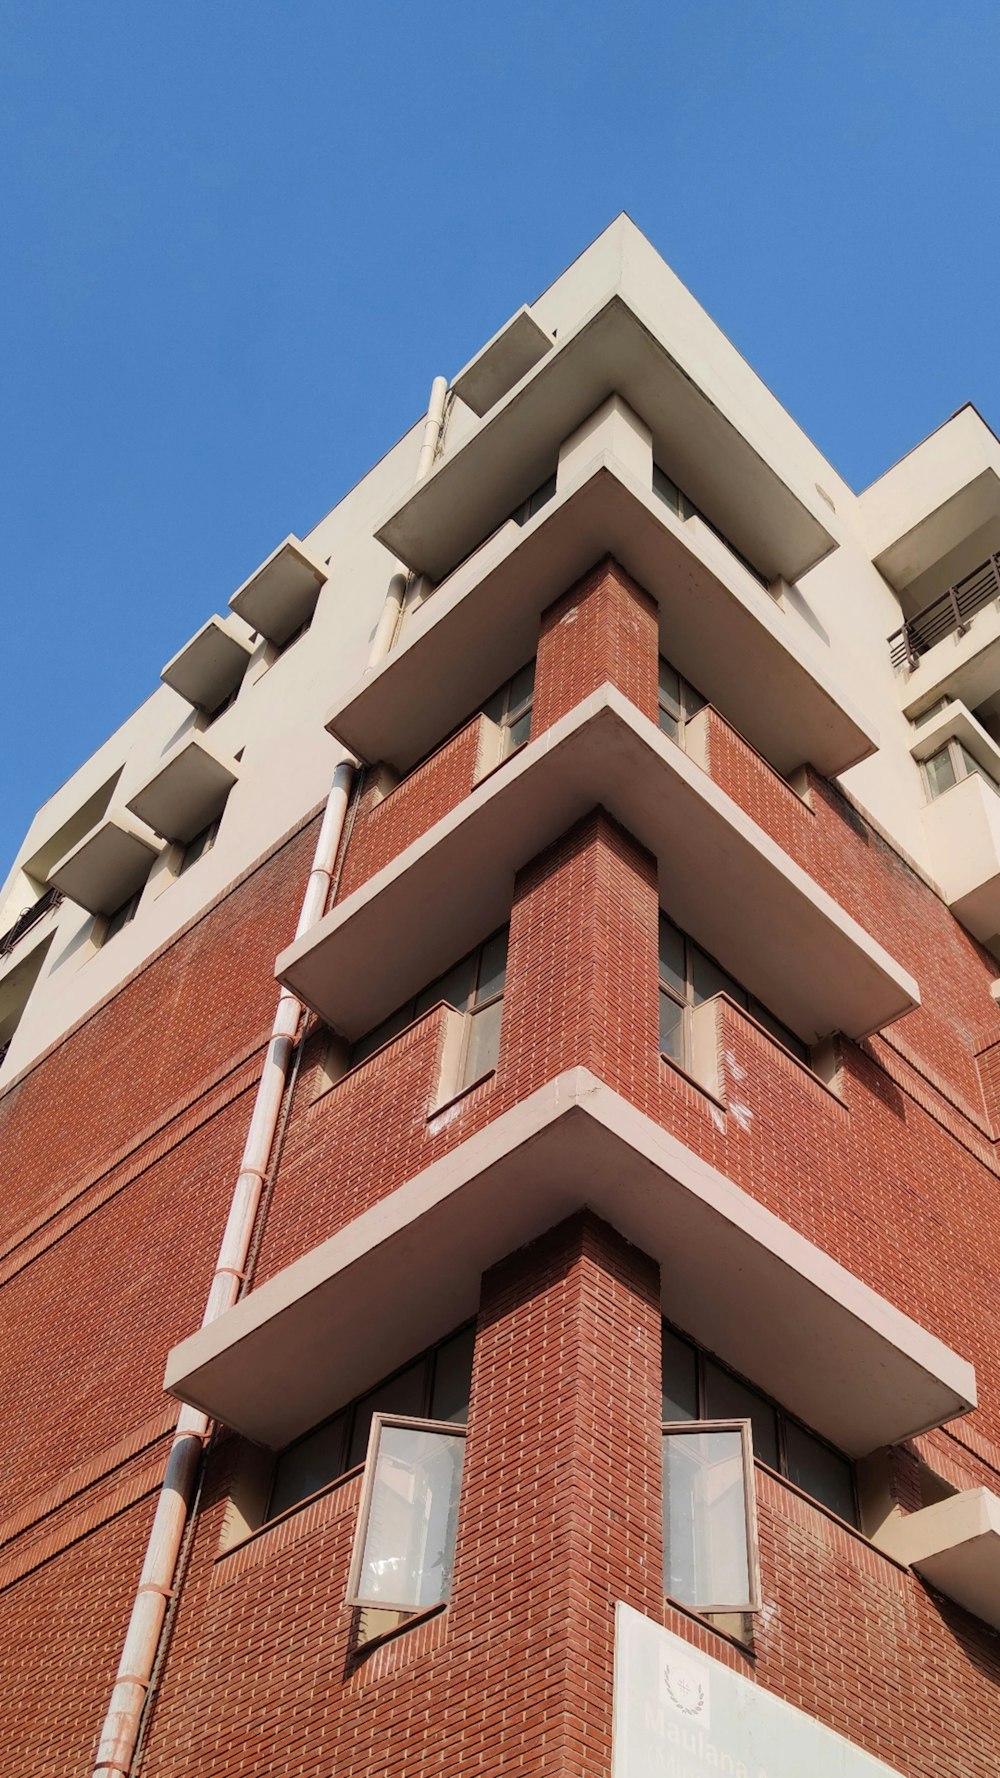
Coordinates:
<point>582,1290</point>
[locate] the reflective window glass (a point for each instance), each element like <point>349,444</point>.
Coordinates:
<point>818,1471</point>
<point>308,1465</point>
<point>680,1378</point>
<point>707,980</point>
<point>483,1048</point>
<point>940,769</point>
<point>726,1398</point>
<point>672,970</point>
<point>671,1028</point>
<point>403,1394</point>
<point>493,966</point>
<point>705,1531</point>
<point>408,1545</point>
<point>453,1377</point>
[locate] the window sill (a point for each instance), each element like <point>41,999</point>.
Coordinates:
<point>279,1520</point>
<point>694,1616</point>
<point>364,1649</point>
<point>457,1098</point>
<point>693,1081</point>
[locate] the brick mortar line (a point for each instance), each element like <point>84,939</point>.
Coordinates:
<point>83,1524</point>
<point>162,950</point>
<point>87,1474</point>
<point>986,1157</point>
<point>176,1112</point>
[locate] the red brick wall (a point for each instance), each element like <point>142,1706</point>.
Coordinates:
<point>127,1139</point>
<point>385,828</point>
<point>603,629</point>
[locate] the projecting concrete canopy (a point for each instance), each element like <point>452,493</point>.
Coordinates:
<point>734,1276</point>
<point>708,452</point>
<point>718,626</point>
<point>281,594</point>
<point>955,1544</point>
<point>209,667</point>
<point>187,793</point>
<point>721,878</point>
<point>107,867</point>
<point>502,362</point>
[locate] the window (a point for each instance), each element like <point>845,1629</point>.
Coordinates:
<point>709,1516</point>
<point>697,1387</point>
<point>952,763</point>
<point>688,977</point>
<point>196,848</point>
<point>434,1387</point>
<point>534,503</point>
<point>678,502</point>
<point>678,701</point>
<point>510,708</point>
<point>117,921</point>
<point>404,1548</point>
<point>475,986</point>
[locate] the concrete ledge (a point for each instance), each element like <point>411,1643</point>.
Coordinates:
<point>187,793</point>
<point>614,349</point>
<point>281,594</point>
<point>954,1544</point>
<point>735,1276</point>
<point>718,626</point>
<point>209,667</point>
<point>106,867</point>
<point>721,878</point>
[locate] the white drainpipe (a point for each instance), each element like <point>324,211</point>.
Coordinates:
<point>120,1729</point>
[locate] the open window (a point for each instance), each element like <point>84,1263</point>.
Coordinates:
<point>710,1516</point>
<point>404,1547</point>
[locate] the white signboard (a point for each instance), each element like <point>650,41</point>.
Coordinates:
<point>680,1714</point>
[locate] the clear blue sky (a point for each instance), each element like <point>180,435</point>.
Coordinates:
<point>240,239</point>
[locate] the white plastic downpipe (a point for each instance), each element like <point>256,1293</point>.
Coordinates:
<point>433,426</point>
<point>119,1732</point>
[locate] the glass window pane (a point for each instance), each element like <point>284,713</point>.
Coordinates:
<point>390,1027</point>
<point>455,986</point>
<point>493,966</point>
<point>522,687</point>
<point>818,1471</point>
<point>669,725</point>
<point>314,1461</point>
<point>672,957</point>
<point>940,769</point>
<point>780,1031</point>
<point>680,1378</point>
<point>670,687</point>
<point>405,1394</point>
<point>691,699</point>
<point>541,496</point>
<point>453,1377</point>
<point>484,1041</point>
<point>519,731</point>
<point>972,765</point>
<point>671,1029</point>
<point>726,1398</point>
<point>495,706</point>
<point>707,979</point>
<point>706,1547</point>
<point>668,490</point>
<point>409,1546</point>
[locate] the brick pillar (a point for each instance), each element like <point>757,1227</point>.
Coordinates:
<point>582,974</point>
<point>604,628</point>
<point>561,1498</point>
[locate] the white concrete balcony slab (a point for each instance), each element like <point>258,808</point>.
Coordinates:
<point>957,723</point>
<point>502,362</point>
<point>720,458</point>
<point>718,626</point>
<point>208,669</point>
<point>963,837</point>
<point>106,867</point>
<point>280,596</point>
<point>955,1544</point>
<point>728,884</point>
<point>736,1277</point>
<point>936,514</point>
<point>187,793</point>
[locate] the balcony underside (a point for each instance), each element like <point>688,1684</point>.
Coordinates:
<point>954,1544</point>
<point>612,351</point>
<point>187,793</point>
<point>721,878</point>
<point>718,626</point>
<point>738,1279</point>
<point>106,867</point>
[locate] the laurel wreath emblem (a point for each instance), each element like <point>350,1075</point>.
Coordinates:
<point>683,1695</point>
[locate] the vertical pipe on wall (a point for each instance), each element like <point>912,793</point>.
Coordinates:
<point>116,1745</point>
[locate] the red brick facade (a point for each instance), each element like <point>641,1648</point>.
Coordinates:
<point>121,1147</point>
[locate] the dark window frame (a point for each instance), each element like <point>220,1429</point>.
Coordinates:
<point>776,1029</point>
